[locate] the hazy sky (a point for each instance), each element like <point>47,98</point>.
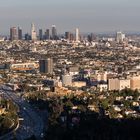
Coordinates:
<point>87,15</point>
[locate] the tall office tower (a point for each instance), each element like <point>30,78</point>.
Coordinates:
<point>46,66</point>
<point>67,35</point>
<point>33,32</point>
<point>71,37</point>
<point>77,36</point>
<point>19,33</point>
<point>91,37</point>
<point>27,36</point>
<point>47,34</point>
<point>54,32</point>
<point>120,37</point>
<point>13,33</point>
<point>40,34</point>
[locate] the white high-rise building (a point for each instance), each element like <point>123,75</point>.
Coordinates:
<point>77,35</point>
<point>120,37</point>
<point>33,32</point>
<point>67,80</point>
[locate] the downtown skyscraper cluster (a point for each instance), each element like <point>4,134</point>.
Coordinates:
<point>17,34</point>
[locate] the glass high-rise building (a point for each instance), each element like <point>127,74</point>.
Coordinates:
<point>40,34</point>
<point>19,33</point>
<point>47,34</point>
<point>13,33</point>
<point>67,35</point>
<point>46,66</point>
<point>54,32</point>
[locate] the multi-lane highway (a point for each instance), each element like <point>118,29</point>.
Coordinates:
<point>32,123</point>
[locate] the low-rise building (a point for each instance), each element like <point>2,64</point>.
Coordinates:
<point>135,82</point>
<point>24,66</point>
<point>102,87</point>
<point>118,84</point>
<point>79,84</point>
<point>2,111</point>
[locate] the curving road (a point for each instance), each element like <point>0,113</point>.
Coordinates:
<point>32,123</point>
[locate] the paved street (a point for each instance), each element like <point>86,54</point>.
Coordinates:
<point>32,123</point>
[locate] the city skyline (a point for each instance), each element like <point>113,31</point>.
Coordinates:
<point>90,15</point>
<point>69,70</point>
